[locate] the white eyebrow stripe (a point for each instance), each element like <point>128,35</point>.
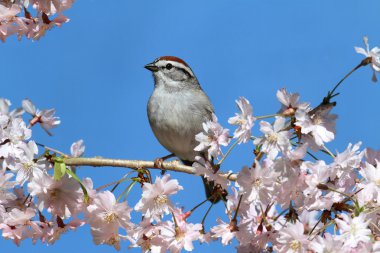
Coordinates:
<point>162,63</point>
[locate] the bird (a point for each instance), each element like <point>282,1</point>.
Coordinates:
<point>176,110</point>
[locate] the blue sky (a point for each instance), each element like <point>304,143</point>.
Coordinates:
<point>91,71</point>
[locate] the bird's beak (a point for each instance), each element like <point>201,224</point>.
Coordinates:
<point>152,67</point>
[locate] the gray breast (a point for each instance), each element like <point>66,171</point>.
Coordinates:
<point>176,119</point>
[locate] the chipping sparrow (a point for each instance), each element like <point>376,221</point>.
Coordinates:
<point>177,109</point>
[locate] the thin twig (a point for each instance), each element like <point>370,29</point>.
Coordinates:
<point>228,152</point>
<point>269,116</point>
<point>53,150</point>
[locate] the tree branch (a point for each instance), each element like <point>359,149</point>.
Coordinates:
<point>135,164</point>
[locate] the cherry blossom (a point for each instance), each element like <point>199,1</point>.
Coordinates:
<point>224,231</point>
<point>147,236</point>
<point>54,230</point>
<point>245,120</point>
<point>256,183</point>
<point>77,148</point>
<point>276,137</point>
<point>180,235</point>
<point>370,193</point>
<point>12,138</point>
<point>204,168</point>
<point>16,17</point>
<point>318,123</point>
<point>26,166</point>
<point>8,13</point>
<point>16,224</point>
<point>62,198</point>
<point>106,216</point>
<point>155,197</point>
<point>215,136</point>
<point>328,243</point>
<point>353,230</point>
<point>371,155</point>
<point>5,184</point>
<point>290,102</point>
<point>373,54</point>
<point>46,118</point>
<point>292,239</point>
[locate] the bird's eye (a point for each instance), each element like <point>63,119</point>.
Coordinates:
<point>169,66</point>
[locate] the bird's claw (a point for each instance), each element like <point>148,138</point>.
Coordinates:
<point>158,163</point>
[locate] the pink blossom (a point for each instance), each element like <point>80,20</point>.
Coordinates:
<point>54,232</point>
<point>224,231</point>
<point>29,107</point>
<point>16,224</point>
<point>47,15</point>
<point>25,165</point>
<point>290,102</point>
<point>317,123</point>
<point>180,236</point>
<point>232,202</point>
<point>275,139</point>
<point>348,159</point>
<point>106,216</point>
<point>370,193</point>
<point>46,118</point>
<point>155,197</point>
<point>4,111</point>
<point>5,185</point>
<point>17,217</point>
<point>77,148</point>
<point>309,219</point>
<point>344,165</point>
<point>317,173</point>
<point>374,54</point>
<point>62,198</point>
<point>328,243</point>
<point>256,184</point>
<point>145,236</point>
<point>8,13</point>
<point>215,136</point>
<point>371,155</point>
<point>204,168</point>
<point>12,137</point>
<point>245,120</point>
<point>353,230</point>
<point>43,26</point>
<point>292,239</point>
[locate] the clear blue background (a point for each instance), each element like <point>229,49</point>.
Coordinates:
<point>91,71</point>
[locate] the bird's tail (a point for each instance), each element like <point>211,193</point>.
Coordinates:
<point>214,193</point>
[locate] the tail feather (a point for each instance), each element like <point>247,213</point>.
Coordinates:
<point>209,186</point>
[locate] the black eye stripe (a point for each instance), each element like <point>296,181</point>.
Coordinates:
<point>170,66</point>
<point>185,71</point>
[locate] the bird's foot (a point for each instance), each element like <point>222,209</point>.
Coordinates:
<point>158,162</point>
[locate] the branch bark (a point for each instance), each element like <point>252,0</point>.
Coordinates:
<point>135,164</point>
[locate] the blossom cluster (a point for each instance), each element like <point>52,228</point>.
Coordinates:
<point>314,195</point>
<point>31,18</point>
<point>287,200</point>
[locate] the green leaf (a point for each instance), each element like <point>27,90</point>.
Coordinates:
<point>59,168</point>
<point>71,173</point>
